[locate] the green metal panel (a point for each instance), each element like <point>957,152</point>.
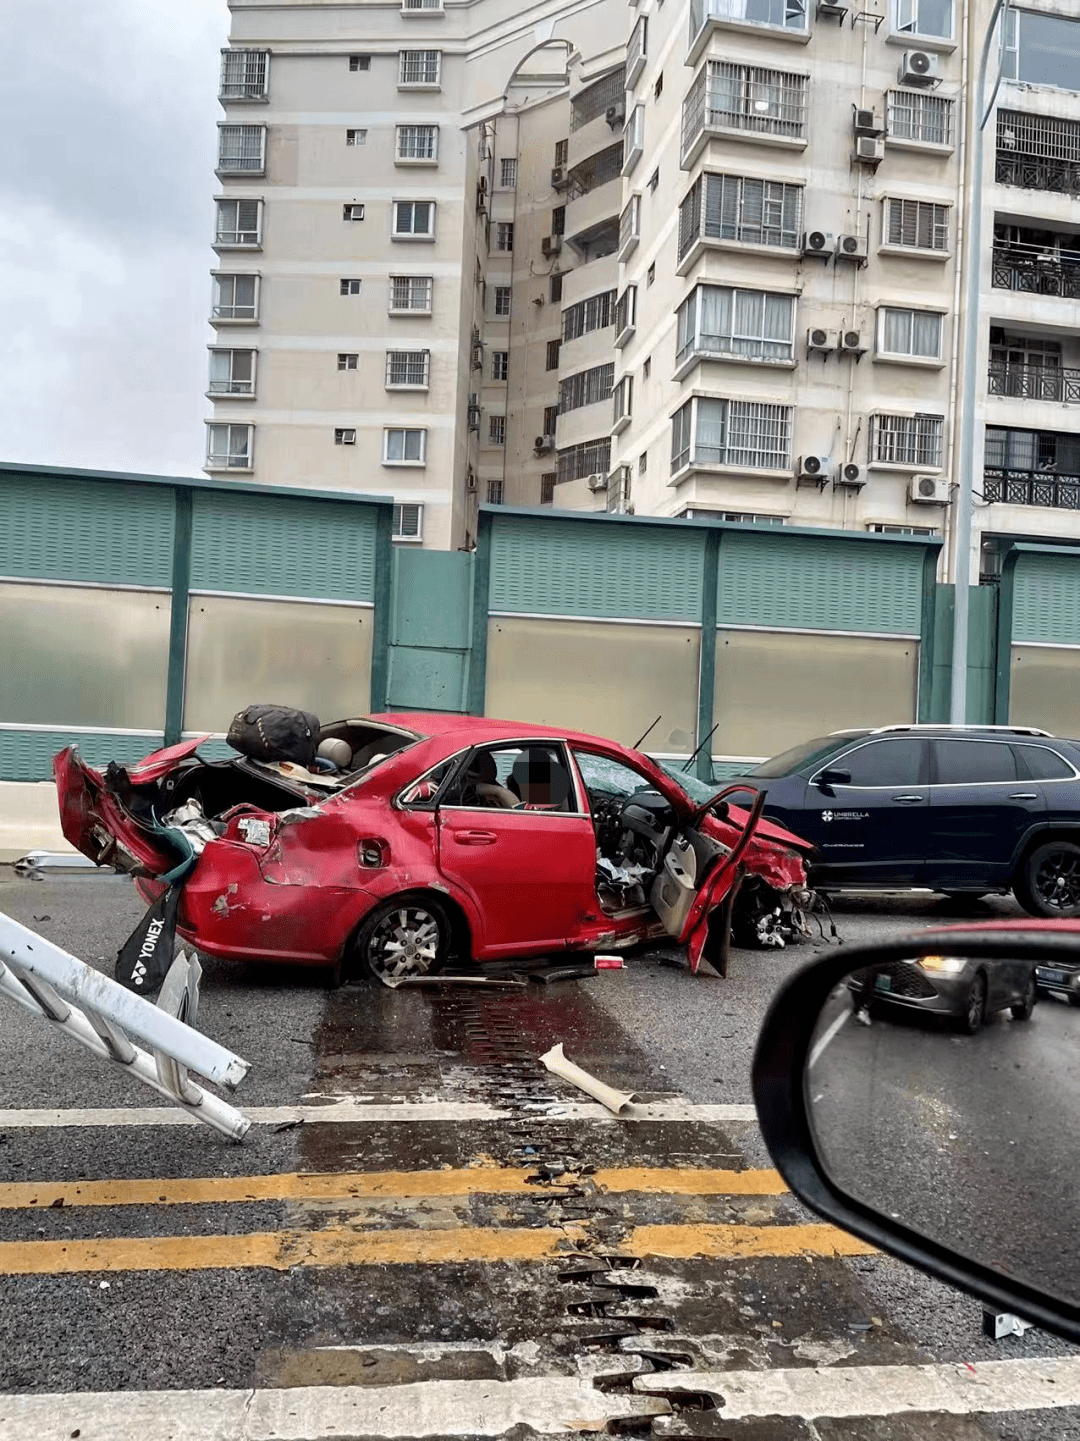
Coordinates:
<point>982,650</point>
<point>481,599</point>
<point>430,630</point>
<point>83,530</point>
<point>178,619</point>
<point>27,755</point>
<point>1046,598</point>
<point>707,655</point>
<point>804,583</point>
<point>265,545</point>
<point>580,568</point>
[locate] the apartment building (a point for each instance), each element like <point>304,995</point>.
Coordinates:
<point>683,257</point>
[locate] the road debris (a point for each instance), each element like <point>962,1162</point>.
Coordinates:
<point>35,862</point>
<point>556,1062</point>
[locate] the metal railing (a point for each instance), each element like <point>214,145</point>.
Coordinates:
<point>596,170</point>
<point>1036,270</point>
<point>725,96</point>
<point>1031,487</point>
<point>1035,172</point>
<point>1038,152</point>
<point>597,99</point>
<point>1034,382</point>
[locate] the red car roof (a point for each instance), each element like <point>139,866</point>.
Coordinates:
<point>479,728</point>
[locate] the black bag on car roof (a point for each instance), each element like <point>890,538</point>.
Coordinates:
<point>275,733</point>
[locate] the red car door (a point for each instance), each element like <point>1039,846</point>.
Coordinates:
<point>529,873</point>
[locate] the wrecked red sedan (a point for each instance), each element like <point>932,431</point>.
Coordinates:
<point>414,838</point>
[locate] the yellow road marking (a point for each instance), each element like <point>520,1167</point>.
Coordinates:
<point>330,1186</point>
<point>340,1246</point>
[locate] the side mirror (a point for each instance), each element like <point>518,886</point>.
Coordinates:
<point>908,1094</point>
<point>832,777</point>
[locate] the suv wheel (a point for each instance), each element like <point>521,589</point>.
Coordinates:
<point>1047,881</point>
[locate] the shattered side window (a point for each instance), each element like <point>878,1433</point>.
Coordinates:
<point>610,777</point>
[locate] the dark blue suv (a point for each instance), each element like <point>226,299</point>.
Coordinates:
<point>965,810</point>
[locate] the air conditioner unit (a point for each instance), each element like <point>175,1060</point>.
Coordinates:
<point>869,150</point>
<point>551,245</point>
<point>558,177</point>
<point>814,467</point>
<point>851,343</point>
<point>851,247</point>
<point>851,475</point>
<point>477,355</point>
<point>597,481</point>
<point>918,68</point>
<point>830,10</point>
<point>866,122</point>
<point>823,341</point>
<point>928,490</point>
<point>816,242</point>
<point>543,444</point>
<point>483,185</point>
<point>471,483</point>
<point>481,199</point>
<point>616,115</point>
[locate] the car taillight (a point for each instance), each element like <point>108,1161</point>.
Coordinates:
<point>373,854</point>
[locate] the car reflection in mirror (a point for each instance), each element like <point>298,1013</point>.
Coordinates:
<point>959,1137</point>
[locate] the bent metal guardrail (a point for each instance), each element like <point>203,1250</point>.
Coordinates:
<point>107,1020</point>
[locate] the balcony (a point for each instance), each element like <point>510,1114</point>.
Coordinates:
<point>1034,382</point>
<point>1031,487</point>
<point>636,51</point>
<point>743,102</point>
<point>599,169</point>
<point>1038,152</point>
<point>785,19</point>
<point>1036,270</point>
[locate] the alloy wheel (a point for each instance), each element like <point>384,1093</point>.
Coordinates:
<point>1057,880</point>
<point>405,943</point>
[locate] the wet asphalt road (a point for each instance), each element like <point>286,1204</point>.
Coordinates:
<point>652,1028</point>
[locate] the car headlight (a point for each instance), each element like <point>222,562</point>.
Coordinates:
<point>942,965</point>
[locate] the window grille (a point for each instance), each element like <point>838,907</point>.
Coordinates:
<point>917,224</point>
<point>913,115</point>
<point>241,149</point>
<point>419,67</point>
<point>408,521</point>
<point>595,100</point>
<point>508,174</point>
<point>239,222</point>
<point>907,439</point>
<point>596,170</point>
<point>417,142</point>
<point>547,487</point>
<point>497,429</point>
<point>750,434</point>
<point>236,297</point>
<point>500,364</point>
<point>495,491</point>
<point>502,300</point>
<point>411,292</point>
<point>591,457</point>
<point>726,96</point>
<point>407,367</point>
<point>594,313</point>
<point>587,387</point>
<point>244,74</point>
<point>741,208</point>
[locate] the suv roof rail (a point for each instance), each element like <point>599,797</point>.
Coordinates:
<point>1011,730</point>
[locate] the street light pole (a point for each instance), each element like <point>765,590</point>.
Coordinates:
<point>972,277</point>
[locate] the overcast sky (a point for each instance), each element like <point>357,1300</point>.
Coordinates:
<point>108,114</point>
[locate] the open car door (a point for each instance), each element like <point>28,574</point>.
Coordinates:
<point>697,875</point>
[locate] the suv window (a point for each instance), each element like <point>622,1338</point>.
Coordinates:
<point>900,762</point>
<point>1042,764</point>
<point>966,763</point>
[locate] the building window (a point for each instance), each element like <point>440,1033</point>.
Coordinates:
<point>743,209</point>
<point>232,372</point>
<point>744,433</point>
<point>552,362</point>
<point>650,274</point>
<point>411,293</point>
<point>228,447</point>
<point>718,320</point>
<point>596,100</point>
<point>547,487</point>
<point>236,297</point>
<point>345,436</point>
<point>1038,152</point>
<point>502,300</point>
<point>1032,467</point>
<point>408,522</point>
<point>748,98</point>
<point>497,429</point>
<point>404,447</point>
<point>508,174</point>
<point>359,62</point>
<point>349,287</point>
<point>352,211</point>
<point>595,313</point>
<point>622,399</point>
<point>881,528</point>
<point>1043,49</point>
<point>917,225</point>
<point>347,360</point>
<point>654,179</point>
<point>419,67</point>
<point>500,364</point>
<point>924,17</point>
<point>241,149</point>
<point>907,439</point>
<point>495,491</point>
<point>630,227</point>
<point>407,369</point>
<point>355,137</point>
<point>914,115</point>
<point>646,367</point>
<point>562,151</point>
<point>238,222</point>
<point>555,288</point>
<point>244,74</point>
<point>414,220</point>
<point>417,143</point>
<point>504,235</point>
<point>558,220</point>
<point>658,88</point>
<point>787,14</point>
<point>643,462</point>
<point>591,457</point>
<point>551,413</point>
<point>913,333</point>
<point>587,387</point>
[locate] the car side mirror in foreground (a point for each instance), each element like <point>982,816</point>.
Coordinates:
<point>914,1094</point>
<point>830,777</point>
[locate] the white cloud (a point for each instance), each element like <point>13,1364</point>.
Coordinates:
<point>105,217</point>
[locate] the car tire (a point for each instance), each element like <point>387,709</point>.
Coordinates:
<point>1047,881</point>
<point>1021,1010</point>
<point>1074,999</point>
<point>974,1013</point>
<point>405,937</point>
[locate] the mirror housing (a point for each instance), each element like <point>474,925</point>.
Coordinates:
<point>832,776</point>
<point>783,1101</point>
